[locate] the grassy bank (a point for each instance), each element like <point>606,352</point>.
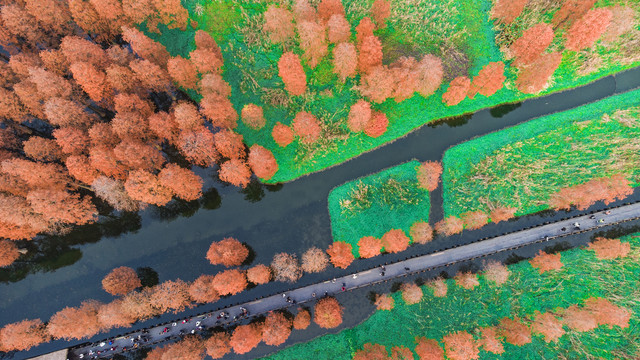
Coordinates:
<point>582,276</point>
<point>375,204</point>
<point>523,165</point>
<point>461,33</point>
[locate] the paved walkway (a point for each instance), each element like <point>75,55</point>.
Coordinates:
<point>309,293</point>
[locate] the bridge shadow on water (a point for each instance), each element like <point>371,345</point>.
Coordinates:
<point>291,217</point>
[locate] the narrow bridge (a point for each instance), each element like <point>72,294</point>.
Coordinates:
<point>230,315</point>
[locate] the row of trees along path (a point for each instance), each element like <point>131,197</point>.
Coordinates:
<point>514,240</point>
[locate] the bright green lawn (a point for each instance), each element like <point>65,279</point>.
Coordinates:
<point>523,165</point>
<point>581,277</point>
<point>375,204</point>
<point>450,29</point>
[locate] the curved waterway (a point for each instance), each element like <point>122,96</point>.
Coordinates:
<point>290,217</point>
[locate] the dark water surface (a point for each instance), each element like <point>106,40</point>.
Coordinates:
<point>290,217</point>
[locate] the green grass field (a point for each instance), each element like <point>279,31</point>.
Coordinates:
<point>581,277</point>
<point>375,204</point>
<point>459,30</point>
<point>523,165</point>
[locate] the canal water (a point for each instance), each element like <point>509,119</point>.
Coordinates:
<point>171,243</point>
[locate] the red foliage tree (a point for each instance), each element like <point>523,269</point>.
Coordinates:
<point>205,60</point>
<point>307,127</point>
<point>378,85</point>
<point>546,262</point>
<point>219,111</point>
<point>578,319</point>
<point>292,74</point>
<point>50,84</point>
<point>439,287</point>
<point>359,116</point>
<point>369,54</point>
<point>395,241</point>
<point>182,182</point>
<point>369,246</point>
<point>151,75</point>
<point>139,155</point>
<point>183,72</point>
<point>41,149</point>
<point>339,29</point>
<point>276,329</point>
<point>229,144</point>
<point>489,80</point>
<point>457,91</point>
<point>622,22</point>
<point>23,335</point>
<point>429,72</point>
<point>111,315</point>
<point>77,49</point>
<point>548,326</point>
<point>145,47</point>
<point>138,305</point>
<point>384,302</point>
<point>198,147</point>
<point>189,348</point>
<point>230,282</point>
<point>302,319</point>
<point>345,60</point>
<point>489,340</point>
<point>421,232</point>
<point>403,71</point>
<point>75,323</point>
<point>607,249</point>
<point>313,41</point>
<point>214,84</point>
<point>327,313</point>
<point>262,162</point>
<point>496,272</point>
<point>428,349</point>
<point>571,11</point>
<point>411,293</point>
<point>617,187</point>
<point>365,28</point>
<point>314,260</point>
<point>450,226</point>
<point>253,116</point>
<point>328,8</point>
<point>377,125</point>
<point>588,29</point>
<point>201,290</point>
<point>535,77</point>
<point>120,281</point>
<point>340,254</point>
<point>92,80</point>
<point>285,267</point>
<point>502,213</point>
<point>61,207</point>
<point>607,313</point>
<point>282,134</point>
<point>8,253</point>
<point>71,140</point>
<point>507,10</point>
<point>515,332</point>
<point>467,280</point>
<point>143,186</point>
<point>218,345</point>
<point>245,338</point>
<point>474,219</point>
<point>380,11</point>
<point>428,174</point>
<point>171,295</point>
<point>401,353</point>
<point>371,352</point>
<point>460,346</point>
<point>533,42</point>
<point>278,23</point>
<point>112,191</point>
<point>259,274</point>
<point>228,252</point>
<point>235,172</point>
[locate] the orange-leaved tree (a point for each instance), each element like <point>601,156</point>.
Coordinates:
<point>340,254</point>
<point>327,313</point>
<point>120,281</point>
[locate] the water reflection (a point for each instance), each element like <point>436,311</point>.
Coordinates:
<point>453,121</point>
<point>148,276</point>
<point>254,192</point>
<point>502,110</point>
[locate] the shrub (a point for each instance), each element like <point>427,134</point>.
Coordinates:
<point>120,281</point>
<point>314,260</point>
<point>341,255</point>
<point>228,252</point>
<point>328,313</point>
